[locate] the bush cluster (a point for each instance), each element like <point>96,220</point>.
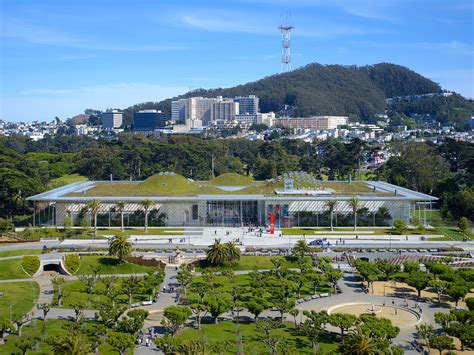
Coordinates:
<point>72,262</point>
<point>30,264</point>
<point>140,260</point>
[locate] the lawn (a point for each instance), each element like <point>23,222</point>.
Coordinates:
<point>141,231</point>
<point>251,262</point>
<point>5,253</point>
<point>53,327</point>
<point>226,331</point>
<point>11,269</point>
<point>309,231</point>
<point>20,295</point>
<point>110,265</point>
<point>75,291</point>
<point>452,233</point>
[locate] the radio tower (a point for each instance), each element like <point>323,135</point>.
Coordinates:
<point>285,29</point>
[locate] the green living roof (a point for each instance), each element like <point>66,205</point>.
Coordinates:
<point>170,184</point>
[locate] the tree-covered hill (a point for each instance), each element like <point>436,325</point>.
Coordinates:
<point>322,90</point>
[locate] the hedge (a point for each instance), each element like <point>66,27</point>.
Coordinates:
<point>30,264</point>
<point>72,262</point>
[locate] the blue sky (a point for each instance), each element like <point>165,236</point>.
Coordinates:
<point>58,58</point>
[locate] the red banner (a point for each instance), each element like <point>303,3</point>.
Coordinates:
<point>272,223</point>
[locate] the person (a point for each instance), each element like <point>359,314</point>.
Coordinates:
<point>393,302</point>
<point>215,232</point>
<point>396,311</point>
<point>384,303</point>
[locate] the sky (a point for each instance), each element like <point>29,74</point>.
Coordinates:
<point>60,57</point>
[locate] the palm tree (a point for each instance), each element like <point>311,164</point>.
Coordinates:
<point>94,207</point>
<point>146,204</point>
<point>218,253</point>
<point>233,251</point>
<point>358,342</point>
<point>301,248</point>
<point>120,246</point>
<point>120,207</point>
<point>331,205</point>
<point>354,203</point>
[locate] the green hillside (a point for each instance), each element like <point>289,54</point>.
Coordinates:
<point>322,90</point>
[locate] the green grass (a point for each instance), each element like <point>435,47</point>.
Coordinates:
<point>177,185</point>
<point>452,233</point>
<point>20,295</point>
<point>250,262</point>
<point>19,252</point>
<point>440,239</point>
<point>226,331</point>
<point>309,232</point>
<point>11,269</point>
<point>140,231</point>
<point>75,291</point>
<point>110,265</point>
<point>65,180</point>
<point>53,327</point>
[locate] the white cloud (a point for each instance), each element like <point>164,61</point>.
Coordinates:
<point>20,30</point>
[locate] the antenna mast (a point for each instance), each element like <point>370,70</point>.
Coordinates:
<point>285,29</point>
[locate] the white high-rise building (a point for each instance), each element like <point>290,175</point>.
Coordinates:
<point>248,105</point>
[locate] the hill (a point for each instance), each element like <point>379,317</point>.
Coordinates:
<point>316,89</point>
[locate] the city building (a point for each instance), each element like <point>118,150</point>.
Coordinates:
<point>248,105</point>
<point>112,119</point>
<point>148,120</point>
<point>312,123</point>
<point>294,199</point>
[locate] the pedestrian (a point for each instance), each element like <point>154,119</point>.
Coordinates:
<point>393,302</point>
<point>215,232</point>
<point>384,303</point>
<point>396,311</point>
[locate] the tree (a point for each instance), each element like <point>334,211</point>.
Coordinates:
<point>175,317</point>
<point>266,326</point>
<point>425,331</point>
<point>315,278</point>
<point>399,225</point>
<point>217,254</point>
<point>354,204</point>
<point>216,305</point>
<point>439,286</point>
<point>342,321</point>
<point>94,207</point>
<point>331,205</point>
<point>120,341</point>
<point>45,307</point>
<point>133,322</point>
<point>358,342</point>
<point>282,303</point>
<point>418,280</point>
<point>146,205</point>
<point>25,344</point>
<point>120,246</point>
<point>410,266</point>
<point>184,277</point>
<point>294,312</point>
<point>386,268</point>
<point>78,307</point>
<point>463,225</point>
<point>256,306</point>
<point>109,314</point>
<point>200,311</point>
<point>333,276</point>
<point>470,303</point>
<point>120,207</point>
<point>5,325</point>
<point>378,328</point>
<point>301,248</point>
<point>313,326</point>
<point>233,251</point>
<point>457,291</point>
<point>129,286</point>
<point>58,285</point>
<point>441,342</point>
<point>368,271</point>
<point>151,281</point>
<point>19,321</point>
<point>90,280</point>
<point>70,344</point>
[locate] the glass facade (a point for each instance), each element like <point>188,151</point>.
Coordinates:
<point>231,213</point>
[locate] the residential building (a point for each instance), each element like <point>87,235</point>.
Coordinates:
<point>248,105</point>
<point>313,123</point>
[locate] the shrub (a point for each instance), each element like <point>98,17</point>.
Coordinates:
<point>6,225</point>
<point>72,263</point>
<point>30,264</point>
<point>140,260</point>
